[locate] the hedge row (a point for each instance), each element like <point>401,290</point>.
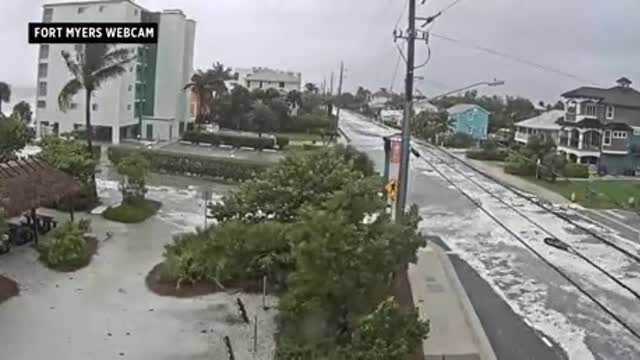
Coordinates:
<point>572,170</point>
<point>236,141</point>
<point>193,165</point>
<point>488,155</point>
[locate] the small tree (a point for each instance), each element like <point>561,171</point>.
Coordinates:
<point>71,157</point>
<point>14,136</point>
<point>389,333</point>
<point>23,109</point>
<point>5,94</point>
<point>68,246</point>
<point>134,169</point>
<point>262,118</point>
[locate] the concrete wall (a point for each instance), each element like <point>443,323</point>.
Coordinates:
<point>288,86</point>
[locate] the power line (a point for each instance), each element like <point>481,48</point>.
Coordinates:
<point>395,73</point>
<point>603,307</point>
<point>404,8</point>
<point>513,58</point>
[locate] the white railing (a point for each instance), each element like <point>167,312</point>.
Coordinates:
<point>523,137</point>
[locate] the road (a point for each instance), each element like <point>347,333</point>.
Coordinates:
<point>529,309</point>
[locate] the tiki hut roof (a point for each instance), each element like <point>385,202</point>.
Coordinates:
<point>31,183</point>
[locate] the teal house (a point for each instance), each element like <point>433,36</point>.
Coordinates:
<point>469,119</point>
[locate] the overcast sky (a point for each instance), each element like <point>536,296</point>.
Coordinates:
<point>594,40</point>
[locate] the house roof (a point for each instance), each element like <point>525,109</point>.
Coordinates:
<point>617,95</point>
<point>262,74</point>
<point>32,183</point>
<point>545,121</point>
<point>460,108</point>
<point>618,126</point>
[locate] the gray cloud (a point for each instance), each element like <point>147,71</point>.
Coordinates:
<point>592,39</point>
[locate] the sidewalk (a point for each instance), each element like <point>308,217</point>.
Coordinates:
<point>456,332</point>
<point>495,171</point>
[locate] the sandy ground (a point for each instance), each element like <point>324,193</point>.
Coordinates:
<point>105,311</point>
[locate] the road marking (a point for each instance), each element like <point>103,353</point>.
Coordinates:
<point>546,341</point>
<point>632,229</point>
<point>613,213</point>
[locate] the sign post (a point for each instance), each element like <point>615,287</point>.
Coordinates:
<point>391,186</point>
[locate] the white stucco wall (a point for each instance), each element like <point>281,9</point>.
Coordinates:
<point>110,99</point>
<point>116,98</point>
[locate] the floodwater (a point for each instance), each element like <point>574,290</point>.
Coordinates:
<point>106,312</point>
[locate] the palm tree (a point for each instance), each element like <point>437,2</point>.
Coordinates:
<point>217,76</point>
<point>5,94</point>
<point>294,98</point>
<point>90,67</point>
<point>201,87</point>
<point>24,110</point>
<point>311,88</point>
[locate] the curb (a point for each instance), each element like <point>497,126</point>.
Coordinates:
<point>484,346</point>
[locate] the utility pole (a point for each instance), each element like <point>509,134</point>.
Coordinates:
<point>403,175</point>
<point>340,90</point>
<point>331,84</point>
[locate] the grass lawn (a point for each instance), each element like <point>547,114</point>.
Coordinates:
<point>611,194</point>
<point>134,211</point>
<point>301,136</point>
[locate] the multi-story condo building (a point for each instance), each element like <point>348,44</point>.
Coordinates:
<point>602,127</point>
<point>148,100</point>
<point>265,78</point>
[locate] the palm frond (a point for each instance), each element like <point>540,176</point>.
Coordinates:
<point>94,57</point>
<point>66,94</point>
<point>72,65</point>
<point>119,56</point>
<point>106,73</point>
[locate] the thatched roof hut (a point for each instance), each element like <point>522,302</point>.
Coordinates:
<point>31,183</point>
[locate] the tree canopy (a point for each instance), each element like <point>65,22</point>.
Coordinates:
<point>14,136</point>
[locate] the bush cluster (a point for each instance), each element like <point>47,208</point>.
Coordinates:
<point>68,247</point>
<point>459,141</point>
<point>237,141</point>
<point>310,123</point>
<point>488,155</point>
<point>572,170</point>
<point>183,164</point>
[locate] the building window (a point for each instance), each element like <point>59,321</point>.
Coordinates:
<point>101,8</point>
<point>42,104</point>
<point>610,112</point>
<point>636,131</point>
<point>42,88</point>
<point>81,9</point>
<point>135,11</point>
<point>73,106</point>
<point>619,134</point>
<point>589,109</point>
<point>47,16</point>
<point>607,138</point>
<point>94,107</point>
<point>42,70</point>
<point>281,84</point>
<point>260,84</point>
<point>129,107</point>
<point>130,87</point>
<point>78,47</point>
<point>44,51</point>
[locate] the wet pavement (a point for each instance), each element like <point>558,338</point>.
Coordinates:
<point>528,310</point>
<point>106,312</point>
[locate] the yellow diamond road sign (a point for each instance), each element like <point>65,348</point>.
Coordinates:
<point>392,189</point>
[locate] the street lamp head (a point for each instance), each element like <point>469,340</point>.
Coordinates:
<point>496,82</point>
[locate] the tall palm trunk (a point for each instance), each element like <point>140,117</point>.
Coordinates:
<point>89,134</point>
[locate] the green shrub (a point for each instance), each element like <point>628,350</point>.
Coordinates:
<point>282,142</point>
<point>183,164</point>
<point>68,246</point>
<point>572,170</point>
<point>459,141</point>
<point>309,123</point>
<point>234,140</point>
<point>134,210</point>
<point>516,165</point>
<point>488,155</point>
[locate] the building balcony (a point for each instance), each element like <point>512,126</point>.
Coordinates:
<point>522,137</point>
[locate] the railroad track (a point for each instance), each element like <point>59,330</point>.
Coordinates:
<point>552,256</point>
